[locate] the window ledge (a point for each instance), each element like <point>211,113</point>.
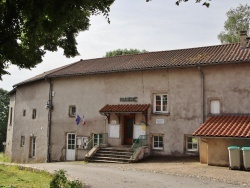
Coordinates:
<point>158,149</point>
<point>160,114</point>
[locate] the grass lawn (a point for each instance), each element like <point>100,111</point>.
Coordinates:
<point>3,158</point>
<point>14,176</point>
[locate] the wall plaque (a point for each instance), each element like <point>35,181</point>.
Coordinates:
<point>159,121</point>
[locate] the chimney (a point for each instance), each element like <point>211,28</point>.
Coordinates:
<point>243,39</point>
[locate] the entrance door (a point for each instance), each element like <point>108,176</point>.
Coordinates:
<point>128,130</point>
<point>70,151</point>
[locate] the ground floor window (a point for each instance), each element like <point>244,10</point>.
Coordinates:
<point>22,141</point>
<point>192,144</point>
<point>158,142</point>
<point>98,139</point>
<point>32,152</point>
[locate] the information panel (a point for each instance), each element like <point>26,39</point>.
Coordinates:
<point>114,131</point>
<point>139,130</point>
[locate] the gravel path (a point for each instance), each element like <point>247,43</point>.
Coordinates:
<point>160,172</point>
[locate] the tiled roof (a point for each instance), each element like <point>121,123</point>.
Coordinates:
<point>209,55</point>
<point>225,126</point>
<point>124,108</point>
<point>41,76</point>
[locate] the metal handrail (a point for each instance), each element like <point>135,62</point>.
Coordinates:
<point>142,140</point>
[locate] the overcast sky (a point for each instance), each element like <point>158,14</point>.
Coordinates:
<point>154,26</point>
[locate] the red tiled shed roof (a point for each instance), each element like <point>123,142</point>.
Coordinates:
<point>201,56</point>
<point>225,126</point>
<point>119,108</point>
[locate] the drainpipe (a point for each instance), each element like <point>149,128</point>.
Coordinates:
<point>49,106</point>
<point>202,94</point>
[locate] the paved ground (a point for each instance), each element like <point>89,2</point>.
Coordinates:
<point>160,172</point>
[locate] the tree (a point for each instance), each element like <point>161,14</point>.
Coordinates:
<point>238,19</point>
<point>204,2</point>
<point>4,111</point>
<point>30,28</point>
<point>123,52</point>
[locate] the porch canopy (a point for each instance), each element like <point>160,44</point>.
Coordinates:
<point>118,109</point>
<point>236,126</point>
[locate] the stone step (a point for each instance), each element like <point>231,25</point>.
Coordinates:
<point>115,152</point>
<point>112,155</point>
<point>111,158</point>
<point>108,161</point>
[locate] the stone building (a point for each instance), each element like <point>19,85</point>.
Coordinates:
<point>160,98</point>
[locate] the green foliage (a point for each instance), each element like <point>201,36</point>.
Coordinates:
<point>124,52</point>
<point>60,181</point>
<point>238,19</point>
<point>4,158</point>
<point>4,110</point>
<point>29,28</point>
<point>204,2</point>
<point>14,176</point>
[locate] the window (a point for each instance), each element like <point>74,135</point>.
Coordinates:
<point>160,103</point>
<point>158,142</point>
<point>98,139</point>
<point>72,111</point>
<point>215,106</point>
<point>192,143</point>
<point>78,142</point>
<point>11,111</point>
<point>34,114</point>
<point>32,152</point>
<point>24,113</point>
<point>22,141</point>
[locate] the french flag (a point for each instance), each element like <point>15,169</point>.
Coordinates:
<point>83,120</point>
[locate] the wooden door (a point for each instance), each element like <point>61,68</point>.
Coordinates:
<point>128,130</point>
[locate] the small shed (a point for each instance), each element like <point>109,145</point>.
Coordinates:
<point>218,133</point>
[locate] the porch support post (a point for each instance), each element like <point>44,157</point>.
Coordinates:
<point>119,117</point>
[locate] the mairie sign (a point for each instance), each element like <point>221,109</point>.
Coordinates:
<point>128,99</point>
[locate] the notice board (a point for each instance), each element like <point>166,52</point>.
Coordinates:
<point>114,131</point>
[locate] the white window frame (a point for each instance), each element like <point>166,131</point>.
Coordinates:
<point>158,141</point>
<point>192,144</point>
<point>213,110</point>
<point>97,139</point>
<point>161,103</point>
<point>72,113</point>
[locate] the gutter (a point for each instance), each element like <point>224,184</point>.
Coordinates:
<point>49,106</point>
<point>202,94</point>
<point>223,137</point>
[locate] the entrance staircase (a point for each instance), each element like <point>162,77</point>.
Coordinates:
<point>112,155</point>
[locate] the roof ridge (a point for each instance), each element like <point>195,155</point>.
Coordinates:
<point>159,51</point>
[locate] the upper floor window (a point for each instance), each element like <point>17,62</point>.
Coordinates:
<point>34,114</point>
<point>24,112</point>
<point>72,111</point>
<point>215,106</point>
<point>160,103</point>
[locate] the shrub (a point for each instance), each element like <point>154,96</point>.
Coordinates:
<point>60,181</point>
